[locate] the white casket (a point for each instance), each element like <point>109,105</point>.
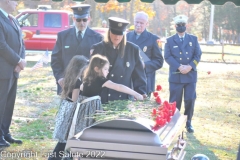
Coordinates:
<point>125,139</point>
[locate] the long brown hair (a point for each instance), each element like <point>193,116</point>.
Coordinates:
<point>122,44</point>
<point>90,74</point>
<point>73,71</point>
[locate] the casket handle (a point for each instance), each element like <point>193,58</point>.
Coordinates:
<point>179,147</point>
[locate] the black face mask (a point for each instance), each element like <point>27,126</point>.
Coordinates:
<point>181,29</point>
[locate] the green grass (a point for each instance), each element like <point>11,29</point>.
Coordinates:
<point>37,129</point>
<point>216,118</point>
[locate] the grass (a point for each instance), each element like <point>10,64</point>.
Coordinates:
<point>216,118</point>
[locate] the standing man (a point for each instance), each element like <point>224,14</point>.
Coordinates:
<point>73,41</point>
<point>182,52</point>
<point>148,43</point>
<point>104,24</point>
<point>12,54</point>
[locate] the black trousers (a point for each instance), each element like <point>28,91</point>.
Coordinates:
<point>8,90</point>
<point>186,90</point>
<point>58,151</point>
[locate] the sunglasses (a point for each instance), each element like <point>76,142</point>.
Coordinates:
<point>84,20</point>
<point>181,24</point>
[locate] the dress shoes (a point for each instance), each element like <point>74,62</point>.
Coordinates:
<point>190,129</point>
<point>10,139</point>
<point>4,143</point>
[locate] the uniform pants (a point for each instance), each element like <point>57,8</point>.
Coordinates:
<point>188,90</point>
<point>8,89</point>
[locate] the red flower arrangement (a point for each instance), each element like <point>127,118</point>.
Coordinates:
<point>163,114</point>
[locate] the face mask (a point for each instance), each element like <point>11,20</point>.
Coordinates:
<point>181,29</point>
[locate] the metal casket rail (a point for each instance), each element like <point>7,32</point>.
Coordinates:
<point>129,140</point>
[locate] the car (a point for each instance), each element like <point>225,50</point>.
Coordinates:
<point>40,26</point>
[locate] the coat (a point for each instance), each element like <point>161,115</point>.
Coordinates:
<point>149,45</point>
<point>11,51</point>
<point>67,46</point>
<point>127,70</point>
<point>11,47</point>
<point>176,53</point>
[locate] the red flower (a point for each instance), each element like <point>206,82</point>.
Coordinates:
<point>164,112</point>
<point>158,100</point>
<point>159,88</point>
<point>209,72</point>
<point>154,111</point>
<point>155,127</point>
<point>160,121</point>
<point>155,94</point>
<point>169,119</point>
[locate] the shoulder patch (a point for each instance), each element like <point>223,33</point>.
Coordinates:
<point>159,43</point>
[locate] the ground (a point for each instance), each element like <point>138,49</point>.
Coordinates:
<point>216,119</point>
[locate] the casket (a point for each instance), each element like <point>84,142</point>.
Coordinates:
<point>125,139</point>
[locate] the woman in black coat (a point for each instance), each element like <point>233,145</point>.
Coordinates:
<point>125,63</point>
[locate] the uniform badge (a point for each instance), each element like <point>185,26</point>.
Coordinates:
<point>190,43</point>
<point>144,48</point>
<point>119,24</point>
<point>127,64</point>
<point>159,43</point>
<point>79,8</point>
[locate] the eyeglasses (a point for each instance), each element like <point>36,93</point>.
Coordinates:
<point>181,24</point>
<point>84,20</point>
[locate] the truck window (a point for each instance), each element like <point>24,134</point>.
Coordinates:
<point>70,20</point>
<point>52,20</point>
<point>28,20</point>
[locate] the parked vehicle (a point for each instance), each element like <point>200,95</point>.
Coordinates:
<point>40,26</point>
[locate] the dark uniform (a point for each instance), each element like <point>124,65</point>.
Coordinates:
<point>175,54</point>
<point>68,45</point>
<point>127,70</point>
<point>149,45</point>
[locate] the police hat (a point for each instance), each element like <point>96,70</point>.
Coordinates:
<point>180,19</point>
<point>117,25</point>
<point>81,11</point>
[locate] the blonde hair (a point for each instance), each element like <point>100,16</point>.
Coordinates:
<point>122,44</point>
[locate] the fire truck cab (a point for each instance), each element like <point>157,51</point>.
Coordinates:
<point>40,26</point>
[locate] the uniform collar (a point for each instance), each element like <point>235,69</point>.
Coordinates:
<point>182,36</point>
<point>82,32</point>
<point>4,13</point>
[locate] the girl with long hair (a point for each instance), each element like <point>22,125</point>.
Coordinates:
<point>126,66</point>
<point>72,78</point>
<point>69,96</point>
<point>95,78</point>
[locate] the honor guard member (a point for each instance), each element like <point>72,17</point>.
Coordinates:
<point>74,41</point>
<point>182,52</point>
<point>125,63</point>
<point>148,43</point>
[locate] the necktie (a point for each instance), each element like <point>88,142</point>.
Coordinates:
<point>137,36</point>
<point>181,39</point>
<point>79,35</point>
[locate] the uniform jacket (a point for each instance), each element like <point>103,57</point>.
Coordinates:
<point>11,47</point>
<point>176,53</point>
<point>67,46</point>
<point>126,70</point>
<point>148,44</point>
